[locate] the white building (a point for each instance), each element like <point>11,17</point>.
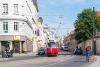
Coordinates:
<point>49,35</point>
<point>17,22</point>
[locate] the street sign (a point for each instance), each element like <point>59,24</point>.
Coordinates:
<point>33,37</point>
<point>17,38</point>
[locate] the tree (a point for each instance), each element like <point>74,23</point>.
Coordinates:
<point>84,25</point>
<point>98,23</point>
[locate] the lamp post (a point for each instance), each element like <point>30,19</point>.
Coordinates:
<point>94,32</point>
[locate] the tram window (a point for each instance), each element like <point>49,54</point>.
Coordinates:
<point>52,44</point>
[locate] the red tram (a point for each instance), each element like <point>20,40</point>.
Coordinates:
<point>52,49</point>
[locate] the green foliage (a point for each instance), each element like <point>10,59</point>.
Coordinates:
<point>98,23</point>
<point>84,25</point>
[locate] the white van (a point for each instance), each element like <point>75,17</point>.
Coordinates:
<point>65,48</point>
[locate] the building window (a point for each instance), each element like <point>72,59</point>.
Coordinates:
<point>5,27</point>
<point>5,8</point>
<point>22,10</point>
<point>16,9</point>
<point>16,26</point>
<point>37,32</point>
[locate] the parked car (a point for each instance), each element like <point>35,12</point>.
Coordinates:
<point>41,51</point>
<point>52,49</point>
<point>65,48</point>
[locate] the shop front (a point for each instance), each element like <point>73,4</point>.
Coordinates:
<point>17,44</point>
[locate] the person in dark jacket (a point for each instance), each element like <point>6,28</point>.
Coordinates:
<point>81,51</point>
<point>78,51</point>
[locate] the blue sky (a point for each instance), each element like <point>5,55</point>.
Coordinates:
<point>64,11</point>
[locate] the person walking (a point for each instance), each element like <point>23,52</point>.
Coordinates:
<point>88,53</point>
<point>80,51</point>
<point>76,51</point>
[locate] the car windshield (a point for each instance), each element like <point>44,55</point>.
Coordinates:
<point>41,48</point>
<point>52,44</point>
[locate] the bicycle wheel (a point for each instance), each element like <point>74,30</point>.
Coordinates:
<point>87,58</point>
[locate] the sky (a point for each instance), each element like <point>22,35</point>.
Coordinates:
<point>61,14</point>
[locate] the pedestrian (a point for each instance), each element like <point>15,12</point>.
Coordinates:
<point>88,53</point>
<point>75,51</point>
<point>80,51</point>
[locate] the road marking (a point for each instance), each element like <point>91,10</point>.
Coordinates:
<point>57,62</point>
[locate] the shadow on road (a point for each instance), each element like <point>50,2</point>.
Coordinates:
<point>78,61</point>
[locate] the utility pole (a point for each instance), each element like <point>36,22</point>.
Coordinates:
<point>58,27</point>
<point>60,17</point>
<point>94,33</point>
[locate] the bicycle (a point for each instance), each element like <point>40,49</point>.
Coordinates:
<point>88,57</point>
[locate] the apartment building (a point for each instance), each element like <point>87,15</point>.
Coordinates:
<point>18,20</point>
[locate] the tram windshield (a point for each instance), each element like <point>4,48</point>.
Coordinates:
<point>52,44</point>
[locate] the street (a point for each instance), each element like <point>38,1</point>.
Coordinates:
<point>37,61</point>
<point>49,33</point>
<point>76,61</point>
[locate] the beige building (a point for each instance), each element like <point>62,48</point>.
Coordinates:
<point>70,41</point>
<point>40,37</point>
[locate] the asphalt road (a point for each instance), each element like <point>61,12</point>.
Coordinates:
<point>76,61</point>
<point>60,61</point>
<point>63,60</point>
<point>33,61</point>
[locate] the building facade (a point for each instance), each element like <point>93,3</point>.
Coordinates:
<point>70,41</point>
<point>17,24</point>
<point>40,38</point>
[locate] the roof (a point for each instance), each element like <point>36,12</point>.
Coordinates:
<point>98,13</point>
<point>35,3</point>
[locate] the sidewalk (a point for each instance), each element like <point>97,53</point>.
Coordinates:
<point>23,54</point>
<point>96,62</point>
